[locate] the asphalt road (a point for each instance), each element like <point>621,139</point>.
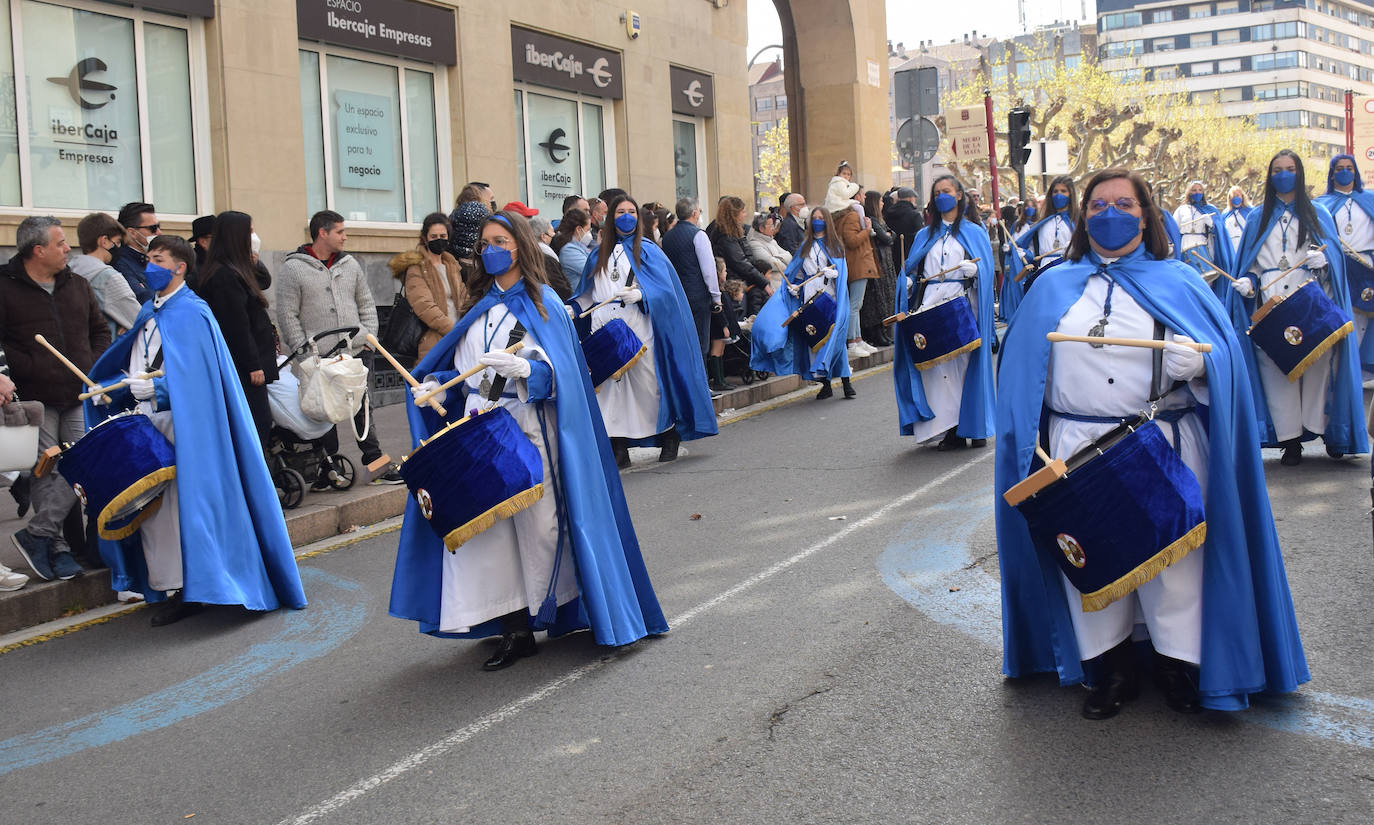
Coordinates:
<point>835,657</point>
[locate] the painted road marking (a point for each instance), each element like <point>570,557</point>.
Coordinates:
<point>305,634</point>
<point>931,555</point>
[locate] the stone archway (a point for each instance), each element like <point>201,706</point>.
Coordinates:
<point>834,112</point>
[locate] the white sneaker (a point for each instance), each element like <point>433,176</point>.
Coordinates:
<point>10,580</point>
<point>871,349</point>
<point>857,351</point>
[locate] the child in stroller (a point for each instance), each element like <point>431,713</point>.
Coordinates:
<point>301,447</point>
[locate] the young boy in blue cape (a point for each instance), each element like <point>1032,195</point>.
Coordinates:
<point>954,398</point>
<point>1352,209</point>
<point>218,536</point>
<point>819,266</point>
<point>1240,626</point>
<point>582,516</point>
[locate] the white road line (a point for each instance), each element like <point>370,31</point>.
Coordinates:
<point>448,743</point>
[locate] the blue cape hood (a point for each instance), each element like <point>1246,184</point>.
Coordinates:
<point>774,348</point>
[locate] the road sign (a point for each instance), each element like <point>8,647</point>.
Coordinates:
<point>917,141</point>
<point>1363,127</point>
<point>968,120</point>
<point>1048,157</point>
<point>916,92</point>
<point>970,146</point>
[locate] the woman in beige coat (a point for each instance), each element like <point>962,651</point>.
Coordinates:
<point>432,281</point>
<point>858,255</point>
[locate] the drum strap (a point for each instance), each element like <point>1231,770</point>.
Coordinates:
<point>517,334</point>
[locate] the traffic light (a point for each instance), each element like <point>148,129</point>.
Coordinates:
<point>1019,136</point>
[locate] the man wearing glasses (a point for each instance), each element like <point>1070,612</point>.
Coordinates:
<point>140,227</point>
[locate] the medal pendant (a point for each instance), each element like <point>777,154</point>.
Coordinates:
<point>615,276</point>
<point>1349,228</point>
<point>485,387</point>
<point>1099,330</point>
<point>1283,262</point>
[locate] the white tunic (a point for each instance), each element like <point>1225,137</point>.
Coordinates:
<point>1115,381</point>
<point>1235,227</point>
<point>1196,228</point>
<point>508,566</point>
<point>944,383</point>
<point>630,404</point>
<point>817,261</point>
<point>1054,234</point>
<point>160,534</point>
<point>1356,230</point>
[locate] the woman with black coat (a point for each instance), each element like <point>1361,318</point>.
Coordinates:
<point>883,289</point>
<point>229,283</point>
<point>727,236</point>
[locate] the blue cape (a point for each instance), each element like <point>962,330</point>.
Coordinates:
<point>685,400</point>
<point>777,349</point>
<point>1028,241</point>
<point>1334,201</point>
<point>1171,229</point>
<point>1250,638</point>
<point>1345,425</point>
<point>976,403</point>
<point>235,548</point>
<point>616,600</point>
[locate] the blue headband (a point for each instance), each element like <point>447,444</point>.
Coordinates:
<point>502,219</point>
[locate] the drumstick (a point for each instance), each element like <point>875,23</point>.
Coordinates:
<point>1044,456</point>
<point>807,303</point>
<point>598,306</point>
<point>1020,253</point>
<point>85,379</point>
<point>1044,255</point>
<point>1292,269</point>
<point>444,387</point>
<point>101,390</point>
<point>945,272</point>
<point>405,373</point>
<point>1194,251</point>
<point>1147,343</point>
<point>1351,252</point>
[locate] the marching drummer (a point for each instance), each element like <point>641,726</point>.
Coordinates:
<point>1219,618</point>
<point>664,394</point>
<point>218,536</point>
<point>1352,208</point>
<point>1044,241</point>
<point>522,574</point>
<point>1233,219</point>
<point>1287,242</point>
<point>1202,235</point>
<point>781,343</point>
<point>950,258</point>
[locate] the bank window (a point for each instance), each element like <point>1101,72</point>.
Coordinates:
<point>103,113</point>
<point>687,154</point>
<point>371,137</point>
<point>564,146</point>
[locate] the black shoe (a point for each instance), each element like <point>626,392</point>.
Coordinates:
<point>20,490</point>
<point>720,386</point>
<point>827,391</point>
<point>1178,682</point>
<point>174,610</point>
<point>951,441</point>
<point>621,448</point>
<point>514,646</point>
<point>1116,686</point>
<point>1333,452</point>
<point>977,443</point>
<point>669,444</point>
<point>848,389</point>
<point>1292,454</point>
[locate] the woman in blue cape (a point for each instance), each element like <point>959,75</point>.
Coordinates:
<point>950,258</point>
<point>1278,254</point>
<point>790,349</point>
<point>1042,244</point>
<point>1202,237</point>
<point>1220,617</point>
<point>1352,209</point>
<point>218,536</point>
<point>569,560</point>
<point>664,396</point>
<point>1233,219</point>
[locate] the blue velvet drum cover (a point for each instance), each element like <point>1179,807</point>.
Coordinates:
<point>941,332</point>
<point>473,472</point>
<point>119,470</point>
<point>1360,279</point>
<point>815,320</point>
<point>1296,329</point>
<point>611,351</point>
<point>1126,508</point>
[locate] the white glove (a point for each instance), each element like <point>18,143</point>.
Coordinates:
<point>629,295</point>
<point>1315,260</point>
<point>429,386</point>
<point>1244,287</point>
<point>968,269</point>
<point>506,364</point>
<point>1182,363</point>
<point>572,313</point>
<point>142,388</point>
<point>1006,247</point>
<point>793,290</point>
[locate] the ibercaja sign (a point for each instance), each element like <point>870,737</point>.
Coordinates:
<point>395,27</point>
<point>559,63</point>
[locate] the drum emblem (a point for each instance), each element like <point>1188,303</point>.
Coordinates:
<point>1367,294</point>
<point>810,329</point>
<point>1073,551</point>
<point>426,503</point>
<point>80,493</point>
<point>1292,335</point>
<point>920,340</point>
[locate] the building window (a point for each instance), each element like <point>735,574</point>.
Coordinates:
<point>761,128</point>
<point>1200,10</point>
<point>763,104</point>
<point>564,146</point>
<point>780,102</point>
<point>1228,7</point>
<point>1166,73</point>
<point>127,132</point>
<point>1162,16</point>
<point>371,137</point>
<point>1163,44</point>
<point>1275,60</point>
<point>1198,41</point>
<point>687,152</point>
<point>1228,36</point>
<point>1200,69</point>
<point>1123,20</point>
<point>1281,120</point>
<point>1122,48</point>
<point>1224,66</point>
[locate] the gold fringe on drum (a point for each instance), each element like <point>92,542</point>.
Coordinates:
<point>969,347</point>
<point>505,509</point>
<point>1152,566</point>
<point>129,496</point>
<point>1321,349</point>
<point>620,373</point>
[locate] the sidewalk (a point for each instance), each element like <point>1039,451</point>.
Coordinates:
<point>320,516</point>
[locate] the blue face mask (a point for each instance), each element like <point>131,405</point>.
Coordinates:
<point>817,225</point>
<point>1237,201</point>
<point>1060,200</point>
<point>158,278</point>
<point>625,224</point>
<point>496,260</point>
<point>1197,198</point>
<point>1284,181</point>
<point>1113,229</point>
<point>945,202</point>
<point>1030,211</point>
<point>1344,177</point>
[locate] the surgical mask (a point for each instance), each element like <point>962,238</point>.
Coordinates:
<point>158,277</point>
<point>255,243</point>
<point>437,245</point>
<point>1113,229</point>
<point>1237,201</point>
<point>1030,211</point>
<point>1197,198</point>
<point>625,224</point>
<point>817,225</point>
<point>496,259</point>
<point>1344,177</point>
<point>1284,181</point>
<point>1060,200</point>
<point>945,202</point>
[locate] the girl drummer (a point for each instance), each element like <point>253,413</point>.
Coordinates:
<point>1238,208</point>
<point>1220,618</point>
<point>1352,207</point>
<point>950,258</point>
<point>1280,250</point>
<point>782,348</point>
<point>521,574</point>
<point>1044,242</point>
<point>1202,235</point>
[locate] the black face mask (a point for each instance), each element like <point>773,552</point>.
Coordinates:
<point>437,245</point>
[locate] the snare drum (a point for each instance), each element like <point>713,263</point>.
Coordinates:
<point>1298,328</point>
<point>940,332</point>
<point>815,321</point>
<point>1115,514</point>
<point>1360,279</point>
<point>119,470</point>
<point>611,351</point>
<point>473,472</point>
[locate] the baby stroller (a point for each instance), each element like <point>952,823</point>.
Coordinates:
<point>737,358</point>
<point>301,447</point>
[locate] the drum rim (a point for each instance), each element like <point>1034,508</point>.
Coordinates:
<point>110,511</point>
<point>1269,305</point>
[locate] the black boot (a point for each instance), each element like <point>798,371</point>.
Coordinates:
<point>718,382</point>
<point>827,391</point>
<point>848,388</point>
<point>1292,453</point>
<point>668,444</point>
<point>977,443</point>
<point>516,643</point>
<point>1177,680</point>
<point>174,610</point>
<point>1116,685</point>
<point>1333,452</point>
<point>621,448</point>
<point>951,441</point>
